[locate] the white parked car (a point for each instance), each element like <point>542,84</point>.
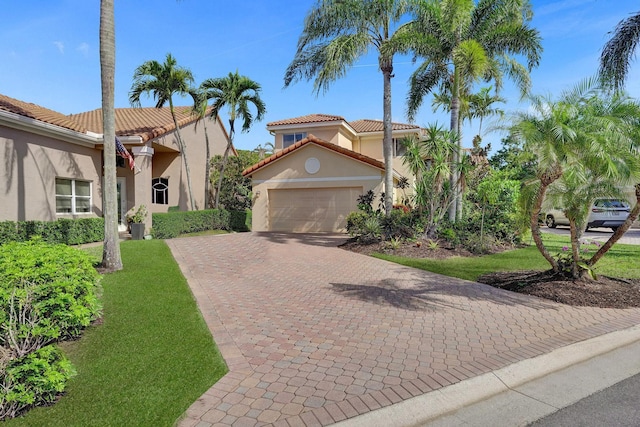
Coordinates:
<point>609,213</point>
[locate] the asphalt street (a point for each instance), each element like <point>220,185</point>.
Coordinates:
<point>616,406</point>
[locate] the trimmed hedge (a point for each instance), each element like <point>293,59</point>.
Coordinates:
<point>240,220</point>
<point>172,224</point>
<point>67,231</point>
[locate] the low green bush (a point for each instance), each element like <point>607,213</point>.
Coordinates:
<point>8,232</point>
<point>33,380</point>
<point>172,224</point>
<point>365,226</point>
<point>240,220</point>
<point>399,224</point>
<point>63,230</point>
<point>47,293</point>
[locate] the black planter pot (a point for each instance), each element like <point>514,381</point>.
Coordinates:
<point>137,231</point>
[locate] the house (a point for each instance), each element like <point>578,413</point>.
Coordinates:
<point>321,164</point>
<point>52,163</point>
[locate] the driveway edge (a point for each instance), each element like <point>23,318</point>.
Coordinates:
<point>438,403</point>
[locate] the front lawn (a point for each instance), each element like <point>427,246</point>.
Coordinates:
<point>620,261</point>
<point>150,358</point>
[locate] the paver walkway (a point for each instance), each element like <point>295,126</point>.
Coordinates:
<point>314,334</point>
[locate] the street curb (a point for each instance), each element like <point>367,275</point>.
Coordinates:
<point>422,409</point>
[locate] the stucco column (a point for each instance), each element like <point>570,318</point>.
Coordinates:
<point>142,180</point>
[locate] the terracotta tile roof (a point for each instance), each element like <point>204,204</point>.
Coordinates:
<point>360,126</point>
<point>308,140</point>
<point>39,113</point>
<point>366,125</point>
<point>310,118</point>
<point>148,123</point>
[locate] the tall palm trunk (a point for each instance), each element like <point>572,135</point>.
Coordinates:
<point>183,151</point>
<point>207,168</point>
<point>111,259</point>
<point>454,127</point>
<point>386,65</point>
<point>224,162</point>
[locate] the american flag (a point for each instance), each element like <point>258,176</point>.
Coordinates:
<point>122,152</point>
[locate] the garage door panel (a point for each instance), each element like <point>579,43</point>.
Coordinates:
<point>311,210</point>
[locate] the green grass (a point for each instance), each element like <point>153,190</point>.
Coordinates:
<point>149,360</point>
<point>620,261</point>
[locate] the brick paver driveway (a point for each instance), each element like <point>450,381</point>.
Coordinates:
<point>314,334</point>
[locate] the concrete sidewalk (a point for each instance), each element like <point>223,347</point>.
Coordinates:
<point>314,335</point>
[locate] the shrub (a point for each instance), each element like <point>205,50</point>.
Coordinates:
<point>240,220</point>
<point>365,226</point>
<point>33,380</point>
<point>47,292</point>
<point>172,224</point>
<point>8,232</point>
<point>64,230</point>
<point>399,224</point>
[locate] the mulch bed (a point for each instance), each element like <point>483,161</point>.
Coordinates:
<point>605,292</point>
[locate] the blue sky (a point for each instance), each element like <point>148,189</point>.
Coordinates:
<point>49,54</point>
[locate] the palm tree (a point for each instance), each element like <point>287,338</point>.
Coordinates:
<point>481,106</point>
<point>237,93</point>
<point>463,41</point>
<point>336,34</point>
<point>547,133</point>
<point>585,145</point>
<point>164,81</point>
<point>618,52</point>
<point>200,107</point>
<point>111,259</point>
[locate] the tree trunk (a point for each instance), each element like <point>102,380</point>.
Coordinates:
<point>535,227</point>
<point>111,259</point>
<point>224,163</point>
<point>575,248</point>
<point>386,65</point>
<point>207,168</point>
<point>633,215</point>
<point>183,152</point>
<point>453,127</point>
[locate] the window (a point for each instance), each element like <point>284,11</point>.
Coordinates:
<point>291,138</point>
<point>73,196</point>
<point>160,191</point>
<point>120,162</point>
<point>398,147</point>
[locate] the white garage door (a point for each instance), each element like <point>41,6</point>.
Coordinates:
<point>312,210</point>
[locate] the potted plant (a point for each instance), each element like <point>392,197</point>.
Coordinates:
<point>136,222</point>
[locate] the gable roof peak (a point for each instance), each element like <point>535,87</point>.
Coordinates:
<point>312,139</point>
<point>309,118</point>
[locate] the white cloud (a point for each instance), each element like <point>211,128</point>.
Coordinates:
<point>60,46</point>
<point>83,48</point>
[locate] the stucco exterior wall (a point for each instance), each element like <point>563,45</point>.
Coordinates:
<point>335,171</point>
<point>29,168</point>
<point>333,134</point>
<point>169,164</point>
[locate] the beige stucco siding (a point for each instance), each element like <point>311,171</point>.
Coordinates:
<point>336,171</point>
<point>29,168</point>
<point>333,134</point>
<point>170,164</point>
